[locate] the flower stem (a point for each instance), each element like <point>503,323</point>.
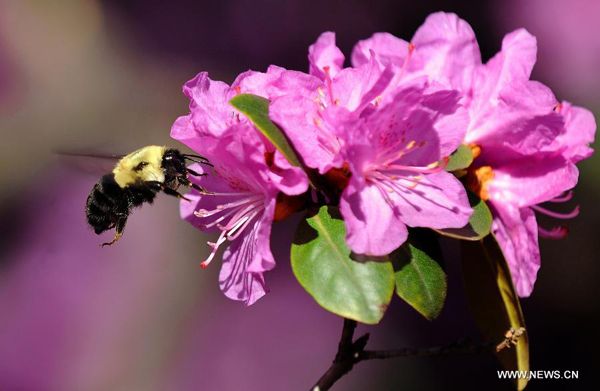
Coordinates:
<point>352,352</point>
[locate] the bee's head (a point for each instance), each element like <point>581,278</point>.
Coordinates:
<point>173,161</point>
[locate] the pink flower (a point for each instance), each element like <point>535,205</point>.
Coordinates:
<point>248,174</point>
<point>395,155</point>
<point>529,144</point>
<point>392,141</point>
<point>525,142</point>
<point>301,112</point>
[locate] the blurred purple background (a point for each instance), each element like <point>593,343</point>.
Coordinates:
<point>106,76</point>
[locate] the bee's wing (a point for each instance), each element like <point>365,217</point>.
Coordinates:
<point>89,163</point>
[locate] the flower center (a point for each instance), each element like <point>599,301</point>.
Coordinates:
<point>232,218</point>
<point>478,180</point>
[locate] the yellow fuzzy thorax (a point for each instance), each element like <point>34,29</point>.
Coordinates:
<point>125,170</point>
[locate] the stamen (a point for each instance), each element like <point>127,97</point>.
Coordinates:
<point>217,221</point>
<point>563,198</point>
<point>559,232</point>
<point>557,215</point>
<point>215,247</point>
<point>240,214</point>
<point>478,181</point>
<point>411,49</point>
<point>328,83</point>
<point>429,169</point>
<point>230,194</point>
<point>235,232</point>
<point>475,150</point>
<point>391,154</point>
<point>557,108</point>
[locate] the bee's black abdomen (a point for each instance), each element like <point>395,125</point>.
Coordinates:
<point>105,204</point>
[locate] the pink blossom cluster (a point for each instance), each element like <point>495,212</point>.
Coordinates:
<point>387,124</point>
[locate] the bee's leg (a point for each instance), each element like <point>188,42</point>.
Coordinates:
<point>117,237</point>
<point>188,183</point>
<point>194,173</point>
<point>159,186</point>
<point>120,226</point>
<point>174,193</point>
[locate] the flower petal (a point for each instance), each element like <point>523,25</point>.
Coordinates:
<point>354,88</point>
<point>235,280</point>
<point>521,117</point>
<point>212,182</point>
<point>436,201</point>
<point>414,129</point>
<point>388,50</point>
<point>517,234</point>
<point>275,82</point>
<point>245,260</point>
<point>211,112</point>
<point>300,118</point>
<point>373,228</point>
<point>446,50</point>
<point>324,57</point>
<point>451,127</point>
<point>580,131</point>
<point>287,178</point>
<point>513,63</point>
<point>532,180</point>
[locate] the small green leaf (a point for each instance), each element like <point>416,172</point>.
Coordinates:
<point>420,280</point>
<point>324,266</point>
<point>256,108</point>
<point>479,225</point>
<point>460,159</point>
<point>493,300</point>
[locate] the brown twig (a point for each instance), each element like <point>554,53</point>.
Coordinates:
<point>352,352</point>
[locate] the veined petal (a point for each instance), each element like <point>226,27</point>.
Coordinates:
<point>235,280</point>
<point>512,64</point>
<point>287,178</point>
<point>215,183</point>
<point>516,231</point>
<point>373,227</point>
<point>300,118</point>
<point>245,260</point>
<point>275,82</point>
<point>446,50</point>
<point>580,131</point>
<point>324,57</point>
<point>435,201</point>
<point>531,180</point>
<point>209,99</point>
<point>264,260</point>
<point>354,88</point>
<point>387,49</point>
<point>522,110</point>
<point>183,130</point>
<point>451,127</point>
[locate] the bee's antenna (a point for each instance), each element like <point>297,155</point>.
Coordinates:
<point>197,159</point>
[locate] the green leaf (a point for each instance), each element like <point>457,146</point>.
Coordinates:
<point>493,300</point>
<point>460,159</point>
<point>324,266</point>
<point>420,280</point>
<point>256,108</point>
<point>479,225</point>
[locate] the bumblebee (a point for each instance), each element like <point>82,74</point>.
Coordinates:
<point>137,178</point>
